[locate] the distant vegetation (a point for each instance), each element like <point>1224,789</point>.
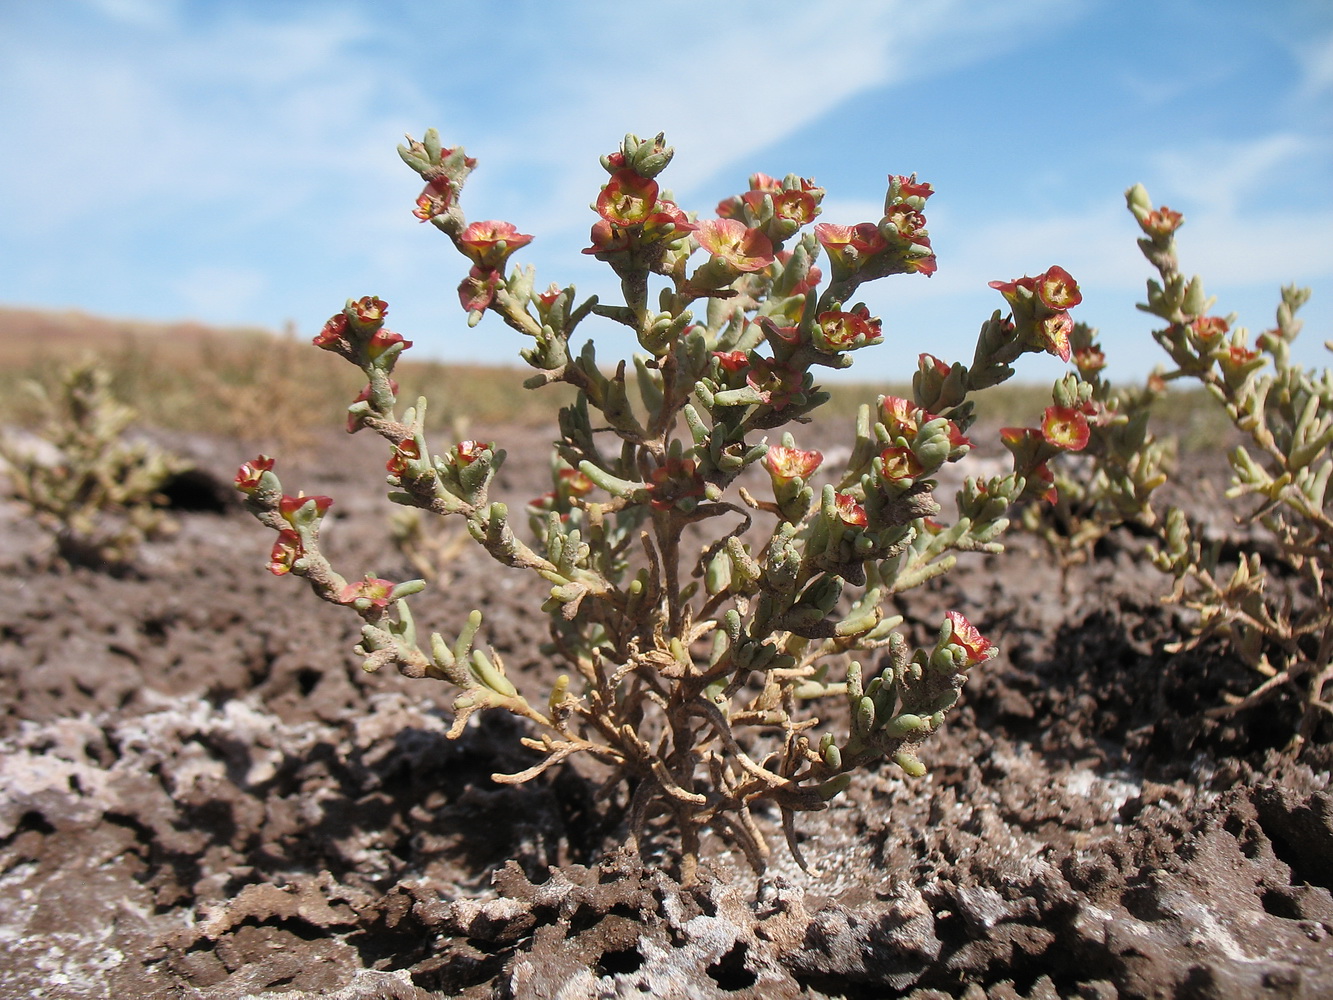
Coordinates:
<point>190,377</point>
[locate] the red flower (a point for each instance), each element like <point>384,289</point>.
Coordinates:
<point>288,506</point>
<point>247,478</point>
<point>477,291</point>
<point>436,197</point>
<point>923,266</point>
<point>780,334</point>
<point>1089,360</point>
<point>1054,331</point>
<point>926,265</point>
<point>674,481</point>
<point>366,313</point>
<point>763,182</point>
<point>1043,474</point>
<point>846,331</point>
<point>849,246</point>
<point>382,340</point>
<point>743,249</point>
<point>1162,222</point>
<point>406,450</point>
<point>1208,327</point>
<point>732,361</point>
<point>1058,290</point>
<point>334,331</point>
<point>547,298</point>
<point>797,207</point>
<point>900,416</point>
<point>467,452</point>
<point>607,238</point>
<point>849,511</point>
<point>910,223</point>
<point>286,550</point>
<point>909,187</point>
<point>775,382</point>
<point>965,634</point>
<point>489,244</point>
<point>370,589</point>
<point>574,483</point>
<point>926,362</point>
<point>355,414</point>
<point>1065,427</point>
<point>785,464</point>
<point>1013,290</point>
<point>627,199</point>
<point>667,222</point>
<point>899,464</point>
<point>1016,436</point>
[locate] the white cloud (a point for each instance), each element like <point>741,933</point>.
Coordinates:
<point>1223,175</point>
<point>739,87</point>
<point>1316,62</point>
<point>140,13</point>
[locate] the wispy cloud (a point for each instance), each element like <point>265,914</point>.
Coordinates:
<point>1223,175</point>
<point>1315,58</point>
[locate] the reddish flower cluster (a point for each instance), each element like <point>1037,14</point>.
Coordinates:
<point>743,250</point>
<point>899,463</point>
<point>846,331</point>
<point>488,245</point>
<point>1209,328</point>
<point>334,330</point>
<point>793,207</point>
<point>732,361</point>
<point>361,323</point>
<point>903,215</point>
<point>288,506</point>
<point>372,589</point>
<point>633,213</point>
<point>1044,302</point>
<point>569,484</point>
<point>467,452</point>
<point>1161,222</point>
<point>366,314</point>
<point>355,415</point>
<point>382,340</point>
<point>786,464</point>
<point>405,451</point>
<point>1089,360</point>
<point>965,634</point>
<point>247,478</point>
<point>1063,428</point>
<point>776,382</point>
<point>675,480</point>
<point>849,247</point>
<point>849,511</point>
<point>286,550</point>
<point>903,418</point>
<point>436,197</point>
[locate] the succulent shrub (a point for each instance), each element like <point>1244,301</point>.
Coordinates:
<point>96,493</point>
<point>1282,414</point>
<point>711,581</point>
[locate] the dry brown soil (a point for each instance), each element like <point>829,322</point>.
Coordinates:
<point>204,797</point>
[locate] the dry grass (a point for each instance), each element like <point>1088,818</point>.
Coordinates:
<point>276,389</point>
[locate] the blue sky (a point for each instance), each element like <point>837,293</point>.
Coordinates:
<point>234,162</point>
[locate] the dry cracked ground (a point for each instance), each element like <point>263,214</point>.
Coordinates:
<point>204,797</point>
